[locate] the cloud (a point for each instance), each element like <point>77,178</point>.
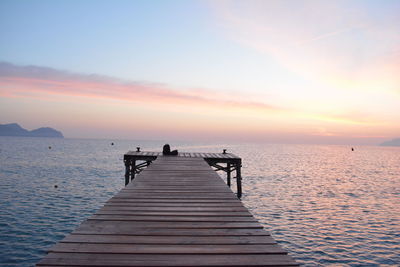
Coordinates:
<point>336,43</point>
<point>196,107</point>
<point>27,80</point>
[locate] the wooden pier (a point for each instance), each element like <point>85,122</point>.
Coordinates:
<point>216,160</point>
<point>176,212</point>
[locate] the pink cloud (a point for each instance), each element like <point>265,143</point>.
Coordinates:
<point>27,80</point>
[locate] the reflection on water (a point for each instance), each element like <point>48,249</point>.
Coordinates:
<point>326,204</point>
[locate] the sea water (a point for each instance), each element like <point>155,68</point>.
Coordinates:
<point>327,205</point>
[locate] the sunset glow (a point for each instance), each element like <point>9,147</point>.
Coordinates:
<point>270,71</point>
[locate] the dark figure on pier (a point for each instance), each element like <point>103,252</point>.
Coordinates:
<point>167,151</point>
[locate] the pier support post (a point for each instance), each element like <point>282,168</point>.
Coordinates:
<point>228,174</point>
<point>239,179</point>
<point>127,171</point>
<point>132,168</point>
<point>133,172</point>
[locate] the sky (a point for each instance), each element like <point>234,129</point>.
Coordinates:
<point>282,71</point>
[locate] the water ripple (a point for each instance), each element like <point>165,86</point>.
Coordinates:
<point>326,205</point>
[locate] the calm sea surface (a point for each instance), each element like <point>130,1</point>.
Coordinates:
<point>327,205</point>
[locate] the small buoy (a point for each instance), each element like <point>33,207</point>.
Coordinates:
<point>49,147</point>
<point>112,144</point>
<point>56,186</point>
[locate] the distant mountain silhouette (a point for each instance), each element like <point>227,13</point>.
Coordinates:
<point>13,129</point>
<point>394,142</point>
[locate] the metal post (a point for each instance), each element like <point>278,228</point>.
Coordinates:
<point>127,171</point>
<point>228,174</point>
<point>239,179</point>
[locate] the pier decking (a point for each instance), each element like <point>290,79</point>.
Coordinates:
<point>176,212</point>
<point>233,163</point>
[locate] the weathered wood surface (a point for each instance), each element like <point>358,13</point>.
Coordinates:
<point>177,212</point>
<point>185,154</point>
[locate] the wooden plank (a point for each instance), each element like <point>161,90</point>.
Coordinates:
<point>190,180</point>
<point>124,196</point>
<point>175,169</point>
<point>182,195</point>
<point>173,213</point>
<point>192,177</point>
<point>124,228</point>
<point>150,200</point>
<point>142,194</point>
<point>182,190</point>
<point>192,188</point>
<point>143,185</point>
<point>183,181</point>
<point>106,259</point>
<point>181,184</point>
<point>215,155</point>
<point>177,209</point>
<point>138,239</point>
<point>133,185</point>
<point>166,248</point>
<point>169,218</point>
<point>133,203</point>
<point>181,225</point>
